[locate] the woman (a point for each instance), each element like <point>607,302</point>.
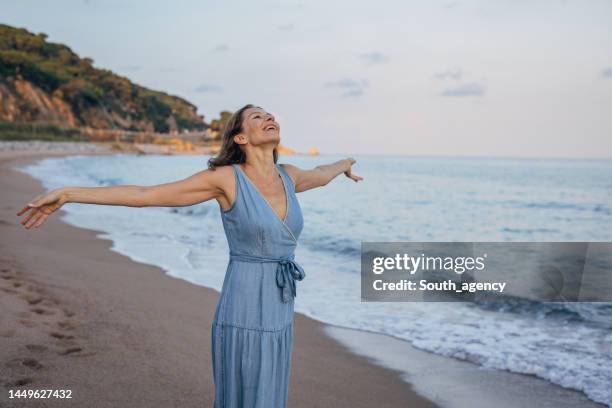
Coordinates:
<point>252,329</point>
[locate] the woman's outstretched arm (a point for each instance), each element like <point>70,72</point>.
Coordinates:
<point>199,187</point>
<point>202,186</point>
<point>320,175</point>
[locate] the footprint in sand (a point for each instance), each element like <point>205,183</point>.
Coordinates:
<point>69,344</point>
<point>66,325</point>
<point>37,348</point>
<point>27,323</point>
<point>9,273</point>
<point>7,333</point>
<point>7,290</point>
<point>23,381</point>
<point>32,363</point>
<point>25,361</point>
<point>36,289</point>
<point>50,302</point>
<point>61,336</point>
<point>42,311</point>
<point>32,299</point>
<point>88,354</point>
<point>70,350</point>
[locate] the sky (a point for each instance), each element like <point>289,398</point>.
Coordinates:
<point>438,77</point>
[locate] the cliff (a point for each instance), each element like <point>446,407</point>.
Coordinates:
<point>47,83</point>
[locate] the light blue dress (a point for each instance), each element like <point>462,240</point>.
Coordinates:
<point>252,328</point>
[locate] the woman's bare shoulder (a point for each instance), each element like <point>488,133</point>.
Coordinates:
<point>224,175</point>
<point>291,169</point>
<point>219,178</point>
<point>293,172</point>
<point>225,181</point>
<point>225,169</point>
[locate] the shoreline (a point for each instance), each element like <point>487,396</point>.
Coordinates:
<point>77,315</point>
<point>453,383</point>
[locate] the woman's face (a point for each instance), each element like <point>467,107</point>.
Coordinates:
<point>260,126</point>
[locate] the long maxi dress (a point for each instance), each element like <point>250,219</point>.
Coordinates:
<point>252,328</point>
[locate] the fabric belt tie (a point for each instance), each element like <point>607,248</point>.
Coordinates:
<point>287,272</point>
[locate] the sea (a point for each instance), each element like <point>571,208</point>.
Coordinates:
<point>402,198</point>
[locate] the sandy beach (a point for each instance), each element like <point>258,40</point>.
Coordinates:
<point>75,315</point>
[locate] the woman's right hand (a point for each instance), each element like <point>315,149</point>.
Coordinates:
<point>41,207</point>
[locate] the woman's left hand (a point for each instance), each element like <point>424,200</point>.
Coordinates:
<point>348,173</point>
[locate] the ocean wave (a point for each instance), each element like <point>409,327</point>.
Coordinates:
<point>594,314</point>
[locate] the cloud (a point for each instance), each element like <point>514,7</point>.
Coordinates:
<point>375,57</point>
<point>607,72</point>
<point>287,6</point>
<point>208,88</point>
<point>170,69</point>
<point>455,74</point>
<point>220,48</point>
<point>349,87</point>
<point>452,4</point>
<point>131,67</point>
<point>469,89</point>
<point>286,27</point>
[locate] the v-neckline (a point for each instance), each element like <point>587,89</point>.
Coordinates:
<point>283,220</point>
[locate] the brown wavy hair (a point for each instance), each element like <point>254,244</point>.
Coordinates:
<point>230,152</point>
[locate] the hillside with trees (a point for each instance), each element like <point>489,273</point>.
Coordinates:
<point>48,84</point>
